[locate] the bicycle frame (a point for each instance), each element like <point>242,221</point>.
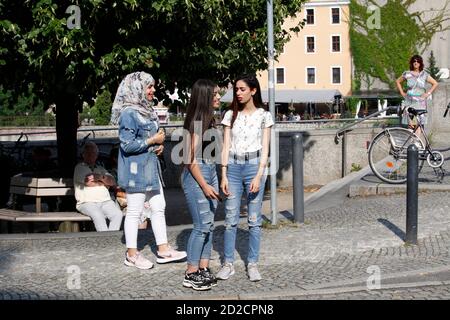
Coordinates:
<point>423,154</point>
<point>398,153</point>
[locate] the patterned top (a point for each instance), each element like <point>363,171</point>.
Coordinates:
<point>246,134</point>
<point>416,86</point>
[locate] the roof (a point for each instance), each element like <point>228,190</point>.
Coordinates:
<point>293,96</point>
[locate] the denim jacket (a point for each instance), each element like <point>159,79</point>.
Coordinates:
<point>138,165</point>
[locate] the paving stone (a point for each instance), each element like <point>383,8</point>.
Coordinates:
<point>339,244</point>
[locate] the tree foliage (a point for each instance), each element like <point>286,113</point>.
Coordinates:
<point>383,52</point>
<point>177,41</point>
<point>432,69</point>
<point>100,112</point>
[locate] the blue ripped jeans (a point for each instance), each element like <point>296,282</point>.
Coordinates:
<point>202,211</point>
<point>240,174</point>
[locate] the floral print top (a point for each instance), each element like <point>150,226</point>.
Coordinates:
<point>416,86</point>
<point>246,134</point>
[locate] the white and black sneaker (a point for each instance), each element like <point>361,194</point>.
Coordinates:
<point>207,273</point>
<point>196,281</point>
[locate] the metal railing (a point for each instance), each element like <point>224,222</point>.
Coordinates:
<point>343,132</point>
<point>375,114</point>
<point>92,130</point>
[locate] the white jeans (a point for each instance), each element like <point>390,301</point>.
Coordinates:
<point>100,211</point>
<point>155,211</point>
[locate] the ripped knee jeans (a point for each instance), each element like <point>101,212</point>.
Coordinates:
<point>202,210</point>
<point>240,175</point>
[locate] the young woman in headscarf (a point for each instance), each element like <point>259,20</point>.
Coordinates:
<point>139,172</point>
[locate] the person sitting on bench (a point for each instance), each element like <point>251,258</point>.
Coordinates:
<point>91,183</point>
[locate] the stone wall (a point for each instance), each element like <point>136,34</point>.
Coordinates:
<point>440,126</point>
<point>322,156</point>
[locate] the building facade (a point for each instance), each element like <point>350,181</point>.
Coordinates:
<point>318,57</point>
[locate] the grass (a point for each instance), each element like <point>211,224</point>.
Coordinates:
<point>355,167</point>
<point>267,224</point>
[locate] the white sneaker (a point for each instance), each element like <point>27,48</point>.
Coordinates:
<point>138,261</point>
<point>170,255</point>
<point>253,273</point>
<point>226,271</point>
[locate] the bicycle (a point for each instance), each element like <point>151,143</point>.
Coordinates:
<point>388,151</point>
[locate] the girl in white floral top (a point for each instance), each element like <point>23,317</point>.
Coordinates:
<point>244,165</point>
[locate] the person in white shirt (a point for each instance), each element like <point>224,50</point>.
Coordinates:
<point>244,164</point>
<point>92,184</point>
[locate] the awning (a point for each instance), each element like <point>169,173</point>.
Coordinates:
<point>375,94</point>
<point>293,96</point>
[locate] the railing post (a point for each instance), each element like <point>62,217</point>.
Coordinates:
<point>344,154</point>
<point>297,177</point>
<point>412,194</point>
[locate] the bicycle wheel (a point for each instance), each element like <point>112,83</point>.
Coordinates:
<point>388,154</point>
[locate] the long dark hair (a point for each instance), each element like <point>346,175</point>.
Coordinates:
<point>253,83</point>
<point>418,59</point>
<point>200,108</point>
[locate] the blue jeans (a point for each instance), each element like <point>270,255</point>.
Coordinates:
<point>240,174</point>
<point>202,210</point>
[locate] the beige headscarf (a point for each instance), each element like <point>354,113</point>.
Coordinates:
<point>131,94</point>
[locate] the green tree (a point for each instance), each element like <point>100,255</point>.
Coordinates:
<point>432,69</point>
<point>23,104</point>
<point>101,110</point>
<point>383,50</point>
<point>177,41</point>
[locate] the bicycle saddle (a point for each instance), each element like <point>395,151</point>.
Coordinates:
<point>416,112</point>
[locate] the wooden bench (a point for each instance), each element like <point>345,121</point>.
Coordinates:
<point>38,187</point>
<point>70,219</point>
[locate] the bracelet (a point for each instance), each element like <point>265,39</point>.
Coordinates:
<point>224,166</point>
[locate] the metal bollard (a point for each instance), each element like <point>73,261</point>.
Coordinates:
<point>344,154</point>
<point>297,177</point>
<point>412,188</point>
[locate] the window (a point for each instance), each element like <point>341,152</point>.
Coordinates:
<point>336,43</point>
<point>311,75</point>
<point>336,74</point>
<point>310,45</point>
<point>280,75</point>
<point>309,16</point>
<point>335,16</point>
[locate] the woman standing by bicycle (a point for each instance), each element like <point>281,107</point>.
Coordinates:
<point>416,96</point>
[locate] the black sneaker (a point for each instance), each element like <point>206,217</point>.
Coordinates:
<point>206,272</point>
<point>196,281</point>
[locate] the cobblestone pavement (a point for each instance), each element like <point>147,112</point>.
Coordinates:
<point>441,292</point>
<point>334,255</point>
